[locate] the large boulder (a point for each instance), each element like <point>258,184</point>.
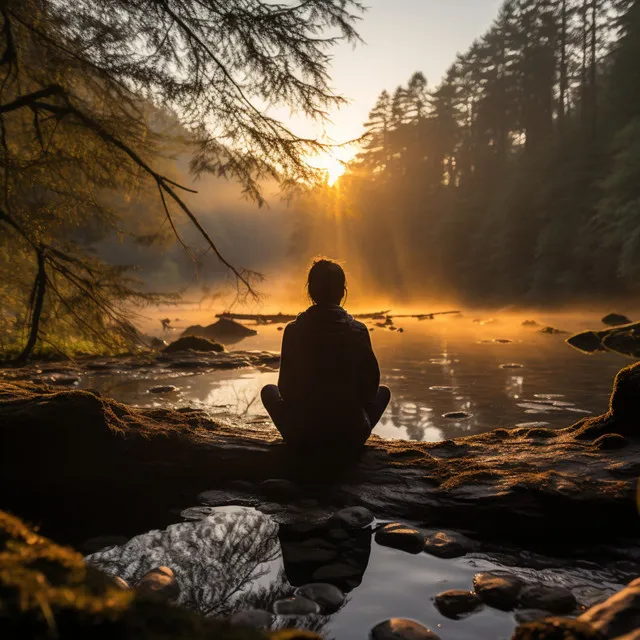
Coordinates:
<point>224,330</point>
<point>193,343</point>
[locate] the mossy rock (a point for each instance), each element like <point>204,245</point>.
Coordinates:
<point>194,343</point>
<point>47,591</point>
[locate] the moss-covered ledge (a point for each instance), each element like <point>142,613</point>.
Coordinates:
<point>83,449</point>
<point>47,591</point>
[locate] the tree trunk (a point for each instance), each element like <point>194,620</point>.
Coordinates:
<point>37,302</point>
<point>563,66</point>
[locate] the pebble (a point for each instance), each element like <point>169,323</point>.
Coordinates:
<point>457,415</point>
<point>279,489</point>
<point>253,618</point>
<point>327,596</point>
<point>168,388</point>
<point>160,581</point>
<point>554,599</point>
<point>456,603</point>
<point>353,517</point>
<point>295,606</point>
<point>401,629</point>
<point>498,589</point>
<point>446,545</point>
<point>400,536</point>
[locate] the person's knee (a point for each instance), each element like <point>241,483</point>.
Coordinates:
<point>269,394</point>
<point>385,393</point>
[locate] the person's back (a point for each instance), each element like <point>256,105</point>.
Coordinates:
<point>328,391</point>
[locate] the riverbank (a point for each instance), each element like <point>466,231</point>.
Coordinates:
<point>82,449</point>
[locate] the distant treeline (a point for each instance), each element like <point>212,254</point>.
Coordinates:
<point>516,179</point>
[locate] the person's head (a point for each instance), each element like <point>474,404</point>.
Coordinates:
<point>326,283</point>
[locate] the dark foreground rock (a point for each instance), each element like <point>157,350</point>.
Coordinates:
<point>100,455</point>
<point>47,591</point>
<point>456,603</point>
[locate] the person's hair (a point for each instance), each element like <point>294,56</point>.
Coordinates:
<point>326,283</point>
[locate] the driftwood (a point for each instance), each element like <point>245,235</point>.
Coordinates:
<point>282,318</point>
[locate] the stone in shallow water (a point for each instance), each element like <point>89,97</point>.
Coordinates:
<point>161,582</point>
<point>279,489</point>
<point>401,629</point>
<point>498,589</point>
<point>512,365</point>
<point>457,415</point>
<point>610,441</point>
<point>448,545</point>
<point>327,596</point>
<point>167,388</point>
<point>400,536</point>
<point>353,517</point>
<point>456,603</point>
<point>556,629</point>
<point>295,606</point>
<point>555,599</point>
<point>254,618</point>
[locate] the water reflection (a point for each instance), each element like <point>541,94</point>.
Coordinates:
<point>229,560</point>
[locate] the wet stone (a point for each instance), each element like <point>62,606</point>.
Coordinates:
<point>448,545</point>
<point>327,596</point>
<point>554,599</point>
<point>167,388</point>
<point>353,517</point>
<point>457,415</point>
<point>160,582</point>
<point>279,489</point>
<point>618,615</point>
<point>401,629</point>
<point>616,320</point>
<point>498,589</point>
<point>295,606</point>
<point>556,629</point>
<point>456,603</point>
<point>253,618</point>
<point>400,536</point>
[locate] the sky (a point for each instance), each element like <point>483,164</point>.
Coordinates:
<point>401,37</point>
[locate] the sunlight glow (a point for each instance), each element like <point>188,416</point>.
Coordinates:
<point>333,163</point>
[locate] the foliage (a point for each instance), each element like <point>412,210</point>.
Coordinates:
<point>516,179</point>
<point>89,93</point>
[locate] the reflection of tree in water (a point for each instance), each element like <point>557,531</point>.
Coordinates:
<point>227,561</point>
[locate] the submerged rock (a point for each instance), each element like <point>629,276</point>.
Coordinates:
<point>551,330</point>
<point>530,323</point>
<point>554,599</point>
<point>295,606</point>
<point>456,603</point>
<point>167,388</point>
<point>161,582</point>
<point>401,629</point>
<point>448,545</point>
<point>499,590</point>
<point>327,596</point>
<point>400,536</point>
<point>193,343</point>
<point>616,319</point>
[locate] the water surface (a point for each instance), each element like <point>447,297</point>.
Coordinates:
<point>495,371</point>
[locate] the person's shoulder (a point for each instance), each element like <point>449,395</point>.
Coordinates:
<point>356,325</point>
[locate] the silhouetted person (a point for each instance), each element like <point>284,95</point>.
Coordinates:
<point>328,392</point>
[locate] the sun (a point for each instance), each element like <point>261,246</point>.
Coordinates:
<point>332,163</point>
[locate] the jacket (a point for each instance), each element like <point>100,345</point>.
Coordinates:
<point>328,371</point>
